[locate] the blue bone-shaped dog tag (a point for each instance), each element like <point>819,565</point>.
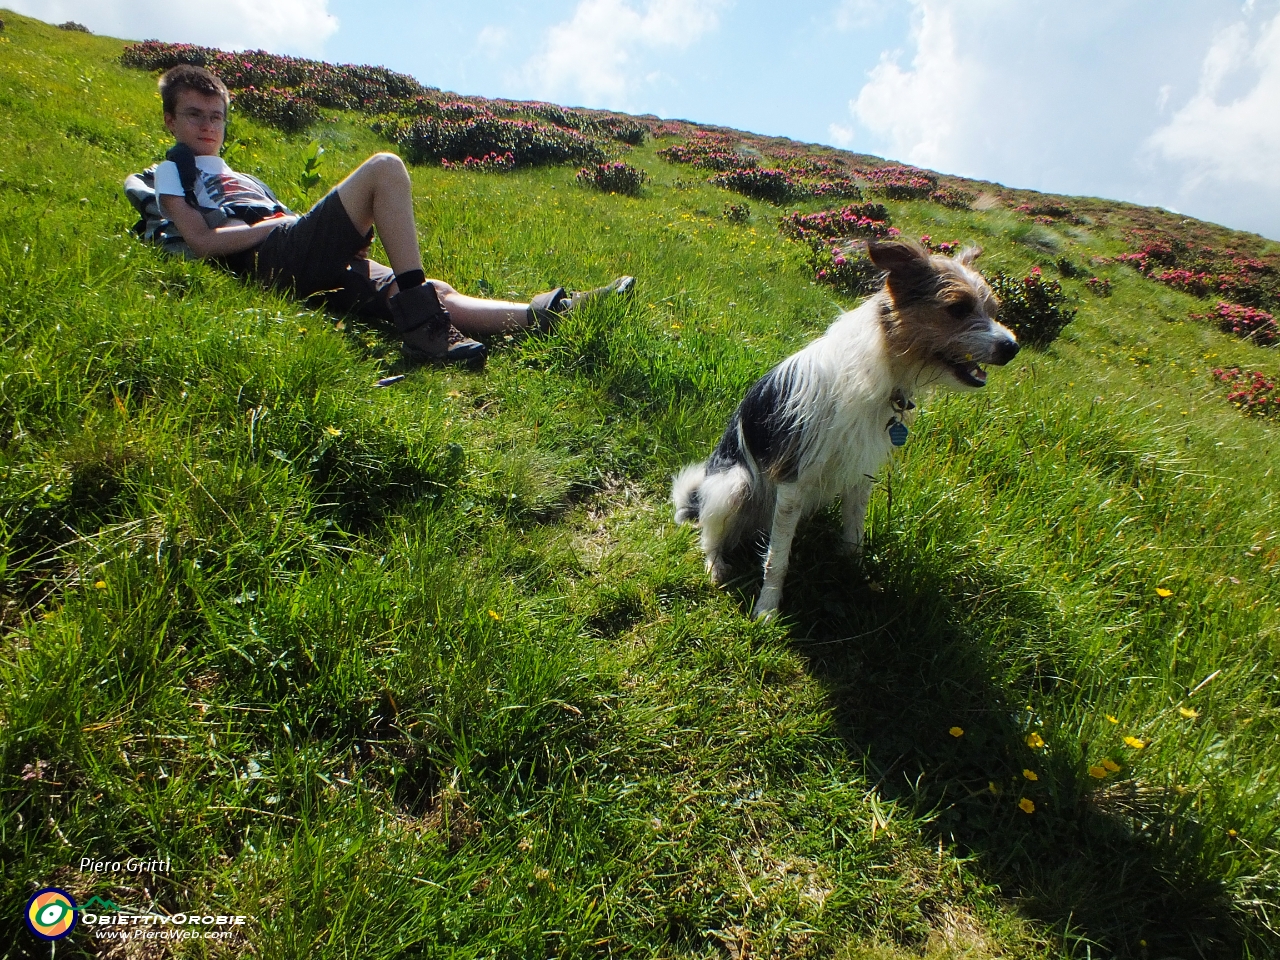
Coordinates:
<point>898,433</point>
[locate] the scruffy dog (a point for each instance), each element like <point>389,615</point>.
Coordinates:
<point>822,422</point>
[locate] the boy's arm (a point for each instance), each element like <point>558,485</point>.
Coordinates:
<point>222,241</point>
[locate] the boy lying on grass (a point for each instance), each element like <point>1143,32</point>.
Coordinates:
<point>233,219</point>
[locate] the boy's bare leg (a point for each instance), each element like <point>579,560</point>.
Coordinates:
<point>481,318</point>
<point>476,317</point>
<point>379,192</point>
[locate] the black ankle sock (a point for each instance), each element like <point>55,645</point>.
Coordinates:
<point>410,279</point>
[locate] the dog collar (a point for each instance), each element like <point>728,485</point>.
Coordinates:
<point>897,428</point>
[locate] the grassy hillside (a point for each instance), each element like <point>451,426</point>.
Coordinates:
<point>428,670</point>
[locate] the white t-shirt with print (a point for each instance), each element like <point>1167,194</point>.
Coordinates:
<point>217,186</point>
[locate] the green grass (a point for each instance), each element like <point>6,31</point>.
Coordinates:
<point>428,671</point>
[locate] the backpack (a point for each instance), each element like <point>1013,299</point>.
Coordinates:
<point>140,188</point>
<point>153,227</point>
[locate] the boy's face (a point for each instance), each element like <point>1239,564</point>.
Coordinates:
<point>200,121</point>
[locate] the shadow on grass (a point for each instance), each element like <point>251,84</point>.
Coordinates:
<point>913,646</point>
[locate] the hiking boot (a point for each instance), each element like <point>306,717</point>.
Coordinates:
<point>423,324</point>
<point>546,308</point>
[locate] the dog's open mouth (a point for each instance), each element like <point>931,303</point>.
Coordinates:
<point>968,372</point>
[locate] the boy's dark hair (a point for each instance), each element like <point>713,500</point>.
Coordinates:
<point>186,76</point>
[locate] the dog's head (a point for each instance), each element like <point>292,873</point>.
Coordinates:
<point>940,314</point>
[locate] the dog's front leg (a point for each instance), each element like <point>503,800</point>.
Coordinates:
<point>786,515</point>
<point>853,510</point>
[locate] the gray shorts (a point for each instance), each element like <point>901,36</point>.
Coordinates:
<point>316,256</point>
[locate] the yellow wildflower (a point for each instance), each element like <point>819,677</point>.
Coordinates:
<point>333,431</point>
<point>1111,765</point>
<point>1162,592</point>
<point>1189,713</point>
<point>1097,772</point>
<point>1110,718</point>
<point>1035,741</point>
<point>1135,742</point>
<point>1030,775</point>
<point>101,584</point>
<point>495,614</point>
<point>956,731</point>
<point>1027,805</point>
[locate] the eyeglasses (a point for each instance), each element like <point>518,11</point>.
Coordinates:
<point>199,117</point>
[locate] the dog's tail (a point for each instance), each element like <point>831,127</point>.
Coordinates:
<point>684,492</point>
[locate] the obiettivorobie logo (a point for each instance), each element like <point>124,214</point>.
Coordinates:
<point>51,913</point>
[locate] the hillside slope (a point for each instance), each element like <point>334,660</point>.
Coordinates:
<point>427,670</point>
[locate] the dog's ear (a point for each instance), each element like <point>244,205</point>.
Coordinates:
<point>911,276</point>
<point>898,256</point>
<point>969,254</point>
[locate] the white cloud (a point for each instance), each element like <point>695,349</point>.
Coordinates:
<point>493,40</point>
<point>1095,98</point>
<point>1234,140</point>
<point>597,57</point>
<point>841,135</point>
<point>923,112</point>
<point>282,26</point>
<point>856,14</point>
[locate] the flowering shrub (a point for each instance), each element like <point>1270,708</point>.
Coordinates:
<point>1204,271</point>
<point>799,163</point>
<point>737,212</point>
<point>614,177</point>
<point>943,247</point>
<point>951,197</point>
<point>288,92</point>
<point>773,186</point>
<point>855,220</point>
<point>278,108</point>
<point>1047,213</point>
<point>845,268</point>
<point>560,116</point>
<point>900,183</point>
<point>670,128</point>
<point>430,139</point>
<point>489,163</point>
<point>1099,285</point>
<point>799,172</point>
<point>611,126</point>
<point>1247,323</point>
<point>1033,308</point>
<point>708,151</point>
<point>1252,392</point>
<point>841,188</point>
<point>624,130</point>
<point>343,86</point>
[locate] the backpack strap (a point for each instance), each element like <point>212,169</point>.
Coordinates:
<point>185,160</point>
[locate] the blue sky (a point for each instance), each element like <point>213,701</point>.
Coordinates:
<point>1174,104</point>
